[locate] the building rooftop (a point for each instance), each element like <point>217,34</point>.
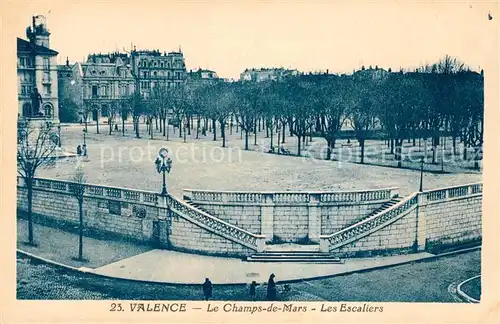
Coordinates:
<point>24,46</point>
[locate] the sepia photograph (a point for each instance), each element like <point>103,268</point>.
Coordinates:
<point>253,156</point>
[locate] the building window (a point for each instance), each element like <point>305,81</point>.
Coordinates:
<point>154,73</point>
<point>47,111</point>
<point>156,63</point>
<point>46,63</point>
<point>48,89</point>
<point>46,76</point>
<point>161,64</point>
<point>21,61</point>
<point>94,91</point>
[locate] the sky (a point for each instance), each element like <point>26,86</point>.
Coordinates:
<point>228,37</point>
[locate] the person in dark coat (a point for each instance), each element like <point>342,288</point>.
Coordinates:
<point>271,288</point>
<point>207,289</point>
<point>253,285</point>
<point>79,150</point>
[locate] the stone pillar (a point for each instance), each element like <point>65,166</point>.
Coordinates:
<point>421,224</point>
<point>314,215</point>
<point>267,216</point>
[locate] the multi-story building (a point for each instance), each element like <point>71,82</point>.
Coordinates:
<point>202,74</point>
<point>37,74</point>
<point>103,80</point>
<point>151,68</point>
<point>266,74</point>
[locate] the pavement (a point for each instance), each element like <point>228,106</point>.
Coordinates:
<point>128,260</point>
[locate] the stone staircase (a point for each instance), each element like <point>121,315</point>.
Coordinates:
<point>385,206</point>
<point>294,253</point>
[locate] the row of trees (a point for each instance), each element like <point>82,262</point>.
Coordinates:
<point>444,99</point>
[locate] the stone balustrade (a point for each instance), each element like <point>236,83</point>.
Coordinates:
<point>122,194</point>
<point>361,229</point>
<point>253,241</point>
<point>290,197</point>
<point>367,226</point>
<point>437,195</point>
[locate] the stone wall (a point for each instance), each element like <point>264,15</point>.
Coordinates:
<point>430,220</point>
<point>135,214</point>
<point>452,216</point>
<point>290,216</point>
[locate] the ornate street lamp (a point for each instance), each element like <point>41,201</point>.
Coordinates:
<point>421,173</point>
<point>163,163</point>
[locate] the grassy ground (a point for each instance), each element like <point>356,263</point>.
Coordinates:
<point>417,282</point>
<point>202,164</point>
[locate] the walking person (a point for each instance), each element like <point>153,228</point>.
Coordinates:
<point>84,150</point>
<point>79,150</point>
<point>253,286</point>
<point>207,289</point>
<point>271,288</point>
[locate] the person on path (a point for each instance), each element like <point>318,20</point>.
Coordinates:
<point>271,288</point>
<point>79,150</point>
<point>207,289</point>
<point>253,285</point>
<point>84,150</point>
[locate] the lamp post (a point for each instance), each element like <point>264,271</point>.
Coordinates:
<point>59,131</point>
<point>163,163</point>
<point>84,132</point>
<point>421,174</point>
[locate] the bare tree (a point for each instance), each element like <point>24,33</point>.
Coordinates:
<point>77,188</point>
<point>35,146</point>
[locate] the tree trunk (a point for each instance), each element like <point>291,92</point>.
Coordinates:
<point>184,125</point>
<point>123,127</point>
<point>241,133</point>
<point>151,129</point>
<point>161,126</point>
<point>465,152</point>
<point>156,123</point>
<point>86,125</point>
<point>283,134</point>
<point>298,145</point>
<point>231,125</point>
<point>454,140</point>
<point>167,126</point>
<point>267,128</point>
<point>246,139</point>
<point>392,145</point>
<point>267,131</point>
<point>434,150</point>
<point>180,128</point>
<point>223,133</point>
<point>29,185</point>
<point>80,241</point>
<point>399,143</point>
<point>255,133</point>
<point>110,122</point>
<point>362,145</point>
<point>278,139</point>
<point>137,128</point>
<point>328,150</point>
<point>188,126</point>
<point>476,157</point>
<point>214,127</point>
<point>97,124</point>
<point>198,127</point>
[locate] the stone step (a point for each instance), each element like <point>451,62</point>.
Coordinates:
<point>297,258</point>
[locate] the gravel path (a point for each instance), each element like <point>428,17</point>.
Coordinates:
<point>203,164</point>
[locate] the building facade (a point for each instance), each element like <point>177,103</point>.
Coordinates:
<point>37,74</point>
<point>266,74</point>
<point>98,86</point>
<point>153,68</point>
